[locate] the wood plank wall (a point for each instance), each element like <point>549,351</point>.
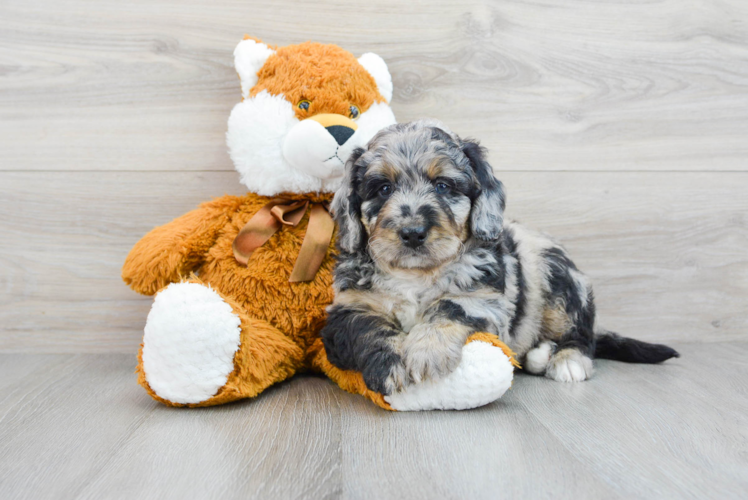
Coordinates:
<point>620,127</point>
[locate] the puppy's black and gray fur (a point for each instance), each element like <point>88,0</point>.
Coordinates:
<point>426,259</point>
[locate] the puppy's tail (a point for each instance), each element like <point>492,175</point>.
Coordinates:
<point>610,345</point>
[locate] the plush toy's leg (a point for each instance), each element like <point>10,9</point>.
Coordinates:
<point>483,376</point>
<point>201,349</point>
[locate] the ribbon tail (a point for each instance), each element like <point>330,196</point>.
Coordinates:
<point>255,233</point>
<point>315,245</point>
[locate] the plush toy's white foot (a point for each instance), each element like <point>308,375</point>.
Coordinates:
<point>190,340</point>
<point>483,376</point>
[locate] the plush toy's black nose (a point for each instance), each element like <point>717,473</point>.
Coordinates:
<point>340,133</point>
<point>413,236</point>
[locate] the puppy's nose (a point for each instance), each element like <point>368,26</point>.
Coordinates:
<point>413,236</point>
<point>340,127</point>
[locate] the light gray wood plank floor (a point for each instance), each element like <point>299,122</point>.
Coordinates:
<point>78,426</point>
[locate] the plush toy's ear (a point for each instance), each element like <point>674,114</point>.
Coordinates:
<point>377,68</point>
<point>249,56</point>
<point>487,214</point>
<point>346,206</point>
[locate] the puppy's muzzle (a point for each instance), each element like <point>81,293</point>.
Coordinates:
<point>413,236</point>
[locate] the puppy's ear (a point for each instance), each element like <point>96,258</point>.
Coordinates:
<point>487,214</point>
<point>346,207</point>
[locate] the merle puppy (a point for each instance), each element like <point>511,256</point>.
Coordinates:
<point>426,259</point>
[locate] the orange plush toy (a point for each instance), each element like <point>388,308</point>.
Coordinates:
<point>242,282</point>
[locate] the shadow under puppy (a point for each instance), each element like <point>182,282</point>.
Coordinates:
<point>426,259</point>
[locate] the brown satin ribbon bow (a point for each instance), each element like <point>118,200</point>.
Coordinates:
<point>278,213</point>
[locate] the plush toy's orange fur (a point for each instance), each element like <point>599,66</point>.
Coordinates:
<point>330,78</point>
<point>280,320</point>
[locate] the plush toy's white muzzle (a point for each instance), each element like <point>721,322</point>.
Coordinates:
<point>318,146</point>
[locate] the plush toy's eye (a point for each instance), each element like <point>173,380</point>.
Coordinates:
<point>354,112</point>
<point>441,187</point>
<point>304,105</point>
<point>385,190</point>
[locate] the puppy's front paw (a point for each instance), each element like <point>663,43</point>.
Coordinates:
<point>569,365</point>
<point>385,377</point>
<point>430,352</point>
<point>397,380</point>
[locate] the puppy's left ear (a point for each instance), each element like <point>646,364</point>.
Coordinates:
<point>487,214</point>
<point>346,208</point>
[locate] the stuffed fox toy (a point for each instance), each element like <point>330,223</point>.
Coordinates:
<point>241,283</point>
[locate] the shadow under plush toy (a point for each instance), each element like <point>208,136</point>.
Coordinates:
<point>242,282</point>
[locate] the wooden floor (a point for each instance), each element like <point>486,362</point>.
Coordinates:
<point>78,426</point>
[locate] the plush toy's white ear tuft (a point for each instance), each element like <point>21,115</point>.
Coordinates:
<point>377,68</point>
<point>249,56</point>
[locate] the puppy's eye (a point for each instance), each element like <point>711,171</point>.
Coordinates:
<point>441,187</point>
<point>354,112</point>
<point>385,190</point>
<point>304,105</point>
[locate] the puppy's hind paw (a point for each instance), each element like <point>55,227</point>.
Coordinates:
<point>536,361</point>
<point>569,365</point>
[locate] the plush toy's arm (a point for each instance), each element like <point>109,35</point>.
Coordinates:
<point>483,375</point>
<point>172,251</point>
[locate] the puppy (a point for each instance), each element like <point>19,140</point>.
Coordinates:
<point>426,259</point>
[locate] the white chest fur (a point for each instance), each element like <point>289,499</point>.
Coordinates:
<point>408,295</point>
